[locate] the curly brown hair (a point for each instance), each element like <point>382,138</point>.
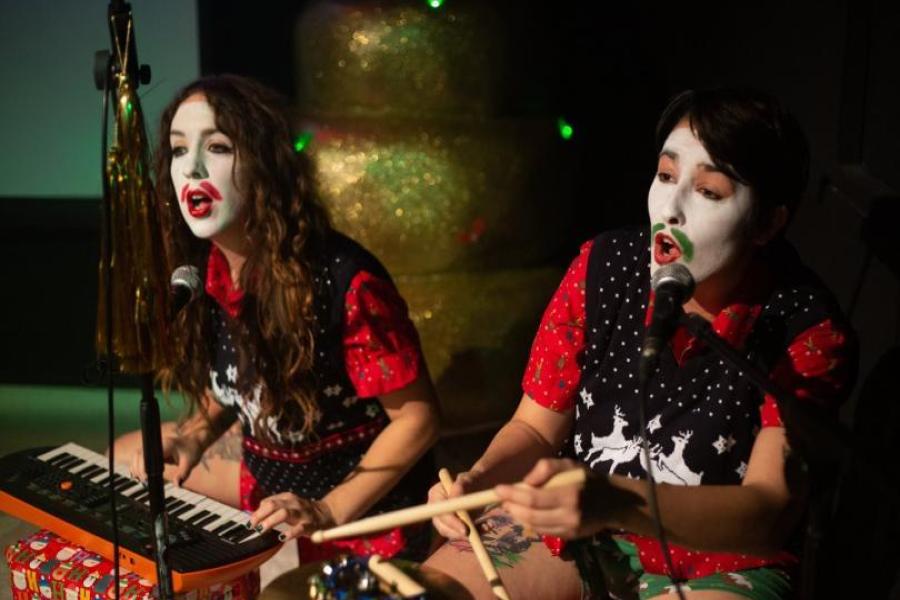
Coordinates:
<point>286,226</point>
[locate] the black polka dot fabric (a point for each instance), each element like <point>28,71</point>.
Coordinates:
<point>703,415</point>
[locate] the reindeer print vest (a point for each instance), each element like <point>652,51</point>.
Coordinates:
<point>703,416</point>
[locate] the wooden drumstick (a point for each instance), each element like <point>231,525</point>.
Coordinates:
<point>424,512</point>
<point>393,578</point>
<point>481,553</point>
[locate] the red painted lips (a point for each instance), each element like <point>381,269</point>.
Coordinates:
<point>199,201</point>
<point>665,249</point>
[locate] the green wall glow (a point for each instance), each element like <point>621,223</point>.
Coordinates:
<point>49,109</point>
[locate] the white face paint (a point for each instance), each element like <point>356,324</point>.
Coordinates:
<point>699,216</point>
<point>202,170</point>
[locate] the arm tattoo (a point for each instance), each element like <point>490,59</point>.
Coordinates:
<point>504,538</point>
<point>227,448</point>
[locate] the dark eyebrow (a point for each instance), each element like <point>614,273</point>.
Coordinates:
<point>708,168</point>
<point>670,153</point>
<point>712,169</point>
<point>204,133</point>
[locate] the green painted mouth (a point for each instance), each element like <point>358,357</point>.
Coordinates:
<point>686,245</point>
<point>657,227</point>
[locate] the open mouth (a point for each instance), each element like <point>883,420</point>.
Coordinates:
<point>199,201</point>
<point>665,249</point>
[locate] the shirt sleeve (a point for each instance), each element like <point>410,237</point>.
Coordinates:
<point>381,346</point>
<point>819,366</point>
<point>554,365</point>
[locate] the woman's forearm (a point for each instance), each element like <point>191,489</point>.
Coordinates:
<point>726,518</point>
<point>391,455</point>
<point>533,433</point>
<point>511,454</point>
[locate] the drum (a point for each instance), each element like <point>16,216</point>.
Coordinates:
<point>311,581</point>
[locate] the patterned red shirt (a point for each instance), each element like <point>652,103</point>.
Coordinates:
<point>816,367</point>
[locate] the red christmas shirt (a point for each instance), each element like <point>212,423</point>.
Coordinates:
<point>816,367</point>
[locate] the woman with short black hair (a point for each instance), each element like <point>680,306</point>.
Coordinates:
<point>731,167</point>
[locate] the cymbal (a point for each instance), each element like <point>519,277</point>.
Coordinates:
<point>294,584</point>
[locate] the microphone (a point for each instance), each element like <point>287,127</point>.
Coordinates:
<point>673,286</point>
<point>185,286</point>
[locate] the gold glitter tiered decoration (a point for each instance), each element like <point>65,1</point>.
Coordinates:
<point>399,58</point>
<point>472,194</point>
<point>464,209</point>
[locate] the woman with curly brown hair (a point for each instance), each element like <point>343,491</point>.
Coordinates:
<point>301,335</point>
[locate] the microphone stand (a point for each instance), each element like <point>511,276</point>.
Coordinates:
<point>107,66</point>
<point>151,435</point>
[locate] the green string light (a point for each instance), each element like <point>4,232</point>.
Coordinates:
<point>435,3</point>
<point>566,131</point>
<point>303,141</point>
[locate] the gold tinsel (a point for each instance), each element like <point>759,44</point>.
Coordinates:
<point>139,279</point>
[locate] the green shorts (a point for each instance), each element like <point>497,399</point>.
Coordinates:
<point>625,578</point>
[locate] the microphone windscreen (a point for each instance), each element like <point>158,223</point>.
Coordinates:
<point>674,274</point>
<point>186,276</point>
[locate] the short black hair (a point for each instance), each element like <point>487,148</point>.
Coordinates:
<point>751,137</point>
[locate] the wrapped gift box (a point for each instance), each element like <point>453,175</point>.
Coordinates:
<point>46,566</point>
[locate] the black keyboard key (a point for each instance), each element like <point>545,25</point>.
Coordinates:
<point>78,462</point>
<point>182,509</point>
<point>123,485</point>
<point>200,515</point>
<point>206,520</point>
<point>91,472</point>
<point>132,493</point>
<point>239,537</point>
<point>221,529</point>
<point>59,458</point>
<point>235,533</point>
<point>66,462</point>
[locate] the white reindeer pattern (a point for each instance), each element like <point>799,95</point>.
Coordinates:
<point>614,447</point>
<point>671,468</point>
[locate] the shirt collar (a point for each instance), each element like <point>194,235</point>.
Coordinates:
<point>734,322</point>
<point>219,284</point>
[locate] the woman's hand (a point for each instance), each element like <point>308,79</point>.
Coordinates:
<point>450,526</point>
<point>303,516</point>
<point>559,511</point>
<point>183,451</point>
